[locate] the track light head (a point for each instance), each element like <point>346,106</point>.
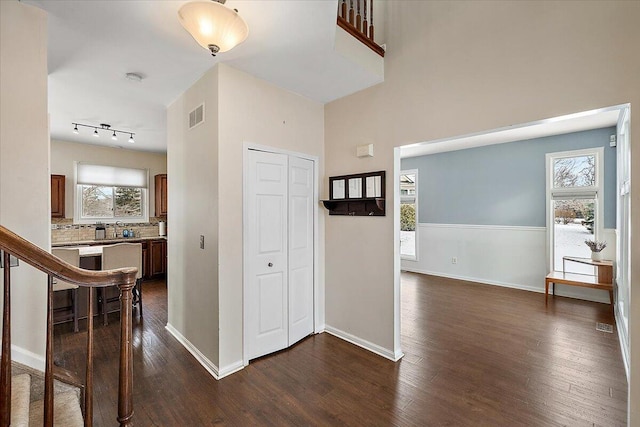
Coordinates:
<point>95,133</point>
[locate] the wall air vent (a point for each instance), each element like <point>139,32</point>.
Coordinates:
<point>196,116</point>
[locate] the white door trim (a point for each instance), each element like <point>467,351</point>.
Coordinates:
<point>317,290</point>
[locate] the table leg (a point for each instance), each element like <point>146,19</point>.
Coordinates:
<point>546,290</point>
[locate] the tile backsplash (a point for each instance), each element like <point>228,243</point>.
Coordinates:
<point>64,230</point>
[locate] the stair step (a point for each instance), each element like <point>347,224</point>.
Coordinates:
<point>66,411</point>
<point>20,397</point>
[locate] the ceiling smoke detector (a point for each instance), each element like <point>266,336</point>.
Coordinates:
<point>134,77</point>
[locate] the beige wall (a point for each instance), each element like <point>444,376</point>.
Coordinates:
<point>454,68</point>
<point>24,166</point>
<point>193,211</point>
<point>252,110</point>
<point>64,153</point>
<point>205,197</point>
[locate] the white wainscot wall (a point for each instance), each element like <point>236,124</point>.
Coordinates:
<point>509,256</point>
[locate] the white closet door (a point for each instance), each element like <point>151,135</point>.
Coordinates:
<point>300,248</point>
<point>267,292</point>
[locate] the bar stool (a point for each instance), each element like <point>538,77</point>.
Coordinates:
<point>118,256</point>
<point>71,256</point>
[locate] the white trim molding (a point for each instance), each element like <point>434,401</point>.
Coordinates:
<point>202,359</point>
<point>28,358</point>
<point>623,333</point>
<point>509,256</point>
<point>483,227</point>
<point>367,345</point>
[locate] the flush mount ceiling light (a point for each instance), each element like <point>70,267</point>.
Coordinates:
<point>103,126</point>
<point>214,26</point>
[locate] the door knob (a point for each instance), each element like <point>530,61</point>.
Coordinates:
<point>270,264</point>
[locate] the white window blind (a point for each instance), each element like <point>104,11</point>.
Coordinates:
<point>111,176</point>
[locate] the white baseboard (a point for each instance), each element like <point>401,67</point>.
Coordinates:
<point>474,279</point>
<point>367,345</point>
<point>202,359</point>
<point>232,368</point>
<point>624,345</point>
<point>567,292</point>
<point>28,358</point>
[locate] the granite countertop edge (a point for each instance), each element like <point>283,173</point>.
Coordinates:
<point>107,241</point>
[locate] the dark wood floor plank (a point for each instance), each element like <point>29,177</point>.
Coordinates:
<point>475,355</point>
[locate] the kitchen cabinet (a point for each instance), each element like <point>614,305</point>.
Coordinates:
<point>154,259</point>
<point>161,195</point>
<point>57,196</point>
<point>158,257</point>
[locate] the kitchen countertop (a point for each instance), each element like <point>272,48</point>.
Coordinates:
<point>108,241</point>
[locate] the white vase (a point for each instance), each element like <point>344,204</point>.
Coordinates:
<point>596,256</point>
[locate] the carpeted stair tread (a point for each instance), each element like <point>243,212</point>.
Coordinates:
<point>20,399</point>
<point>66,411</point>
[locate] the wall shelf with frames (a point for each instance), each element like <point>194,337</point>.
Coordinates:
<point>361,194</point>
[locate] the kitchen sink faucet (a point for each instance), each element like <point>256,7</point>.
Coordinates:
<point>115,228</point>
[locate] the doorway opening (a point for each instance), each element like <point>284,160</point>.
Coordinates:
<point>574,212</point>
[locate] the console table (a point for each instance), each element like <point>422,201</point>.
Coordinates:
<point>603,279</point>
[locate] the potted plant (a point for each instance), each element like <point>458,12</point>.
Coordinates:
<point>596,249</point>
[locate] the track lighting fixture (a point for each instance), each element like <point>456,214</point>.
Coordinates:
<point>103,126</point>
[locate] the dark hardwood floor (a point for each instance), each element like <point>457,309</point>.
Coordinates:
<point>475,355</point>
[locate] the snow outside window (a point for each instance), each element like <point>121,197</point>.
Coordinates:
<point>574,188</point>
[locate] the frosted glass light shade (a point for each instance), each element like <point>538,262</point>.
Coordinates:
<point>212,24</point>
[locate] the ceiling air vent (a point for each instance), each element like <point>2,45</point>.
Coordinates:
<point>196,116</point>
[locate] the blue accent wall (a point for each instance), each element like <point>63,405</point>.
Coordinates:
<point>502,184</point>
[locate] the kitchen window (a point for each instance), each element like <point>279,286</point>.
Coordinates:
<point>109,194</point>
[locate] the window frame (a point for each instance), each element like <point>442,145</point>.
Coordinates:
<point>78,218</point>
<point>552,194</point>
<point>414,198</point>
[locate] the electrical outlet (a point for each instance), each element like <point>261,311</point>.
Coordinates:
<point>201,242</point>
<point>454,260</point>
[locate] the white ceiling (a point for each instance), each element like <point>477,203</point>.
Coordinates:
<point>577,122</point>
<point>93,44</point>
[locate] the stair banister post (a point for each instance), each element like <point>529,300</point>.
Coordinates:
<point>5,363</point>
<point>365,24</point>
<point>88,394</point>
<point>48,365</point>
<point>125,389</point>
<point>371,20</point>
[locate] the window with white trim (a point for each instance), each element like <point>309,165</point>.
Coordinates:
<point>574,205</point>
<point>409,214</point>
<point>110,193</point>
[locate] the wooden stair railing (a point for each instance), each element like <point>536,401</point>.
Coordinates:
<point>357,25</point>
<point>125,278</point>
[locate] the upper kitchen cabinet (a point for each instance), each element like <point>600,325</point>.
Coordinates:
<point>161,195</point>
<point>57,196</point>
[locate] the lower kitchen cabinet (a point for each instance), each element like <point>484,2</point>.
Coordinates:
<point>154,259</point>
